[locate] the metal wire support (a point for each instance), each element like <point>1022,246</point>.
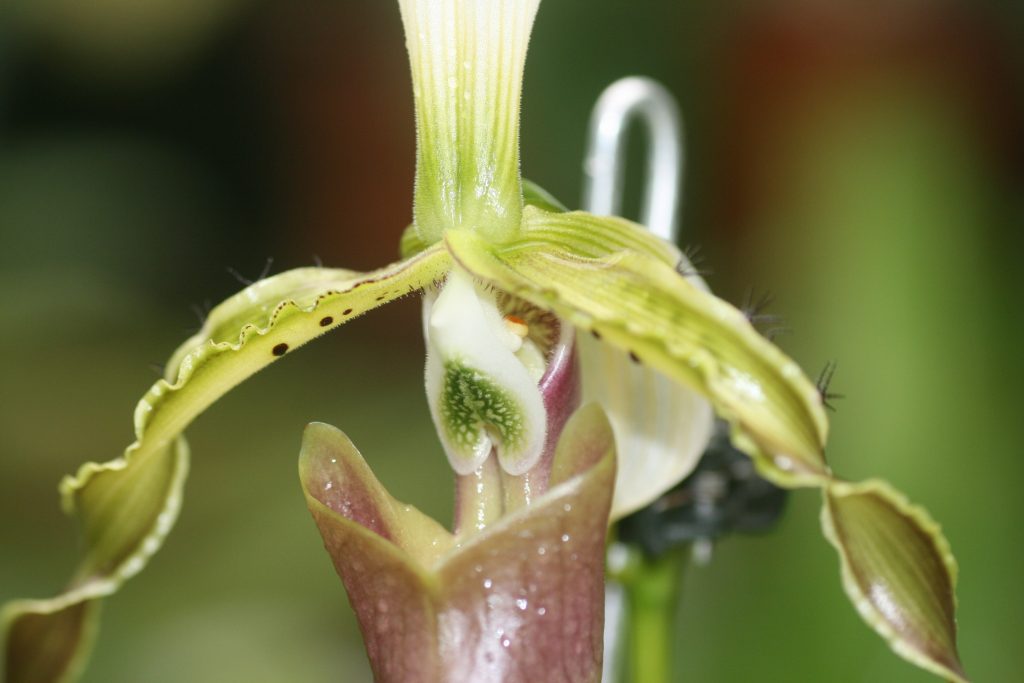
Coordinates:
<point>626,100</point>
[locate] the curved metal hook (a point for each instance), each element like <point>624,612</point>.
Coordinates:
<point>630,98</point>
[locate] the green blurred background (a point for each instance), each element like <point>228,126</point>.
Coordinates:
<point>862,161</point>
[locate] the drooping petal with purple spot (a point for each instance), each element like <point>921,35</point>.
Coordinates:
<point>127,506</point>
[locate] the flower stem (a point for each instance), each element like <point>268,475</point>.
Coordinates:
<point>478,498</point>
<point>653,586</point>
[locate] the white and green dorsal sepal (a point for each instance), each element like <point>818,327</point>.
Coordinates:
<point>467,59</point>
<point>481,379</point>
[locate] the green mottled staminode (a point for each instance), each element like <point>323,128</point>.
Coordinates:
<point>470,400</point>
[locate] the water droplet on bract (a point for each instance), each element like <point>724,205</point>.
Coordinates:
<point>334,461</point>
<point>505,642</point>
<point>541,611</point>
<point>567,507</point>
<point>565,538</point>
<point>521,603</point>
<point>488,583</point>
<point>328,486</point>
<point>478,568</point>
<point>541,550</point>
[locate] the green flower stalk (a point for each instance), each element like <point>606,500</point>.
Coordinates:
<point>517,291</point>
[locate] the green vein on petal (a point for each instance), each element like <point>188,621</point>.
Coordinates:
<point>898,570</point>
<point>540,207</point>
<point>634,300</point>
<point>127,506</point>
<point>584,235</point>
<point>534,195</point>
<point>467,59</point>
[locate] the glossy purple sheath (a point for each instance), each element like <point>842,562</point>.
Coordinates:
<point>518,602</point>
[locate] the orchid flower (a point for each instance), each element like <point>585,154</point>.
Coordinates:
<point>528,310</point>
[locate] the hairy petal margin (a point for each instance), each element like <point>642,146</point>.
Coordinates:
<point>896,565</point>
<point>127,506</point>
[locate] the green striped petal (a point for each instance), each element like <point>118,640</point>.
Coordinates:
<point>127,506</point>
<point>896,566</point>
<point>467,59</point>
<point>614,279</point>
<point>533,195</point>
<point>898,570</point>
<point>664,426</point>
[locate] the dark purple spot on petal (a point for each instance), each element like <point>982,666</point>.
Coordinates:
<point>280,349</point>
<point>325,321</point>
<point>346,311</point>
<point>633,357</point>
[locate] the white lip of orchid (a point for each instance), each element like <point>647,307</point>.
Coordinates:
<point>481,380</point>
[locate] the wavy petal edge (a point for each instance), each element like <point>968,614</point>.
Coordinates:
<point>240,337</point>
<point>783,433</point>
<point>873,608</point>
<point>625,288</point>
